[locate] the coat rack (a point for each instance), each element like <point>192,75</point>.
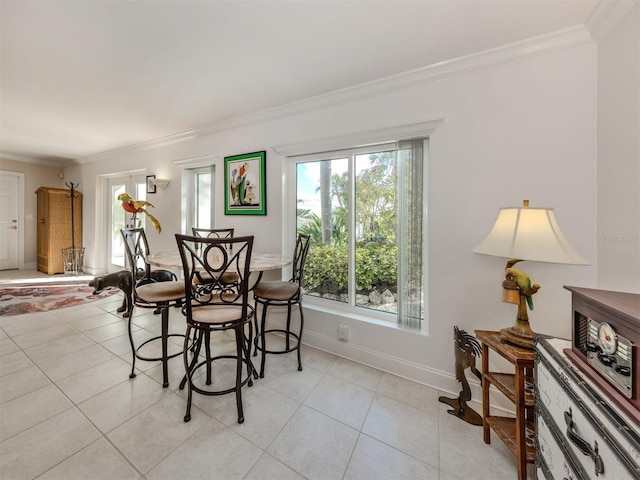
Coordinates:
<point>72,257</point>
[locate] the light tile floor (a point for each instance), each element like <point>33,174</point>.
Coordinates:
<point>68,410</point>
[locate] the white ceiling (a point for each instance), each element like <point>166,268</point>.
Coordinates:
<point>83,77</point>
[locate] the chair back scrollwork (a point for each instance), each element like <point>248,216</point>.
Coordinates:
<point>229,279</point>
<point>215,259</point>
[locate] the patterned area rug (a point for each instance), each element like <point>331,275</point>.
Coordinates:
<point>17,300</point>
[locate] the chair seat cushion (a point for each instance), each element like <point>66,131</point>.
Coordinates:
<point>217,314</point>
<point>281,291</point>
<point>161,292</point>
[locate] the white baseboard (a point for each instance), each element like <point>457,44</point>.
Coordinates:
<point>442,381</point>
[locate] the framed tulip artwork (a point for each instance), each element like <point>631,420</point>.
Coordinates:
<point>245,190</point>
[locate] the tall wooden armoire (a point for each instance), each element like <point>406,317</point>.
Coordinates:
<point>54,226</point>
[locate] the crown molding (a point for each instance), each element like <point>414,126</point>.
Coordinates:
<point>37,161</point>
<point>195,162</point>
<point>605,17</point>
<point>138,147</point>
<point>359,139</point>
<point>543,45</point>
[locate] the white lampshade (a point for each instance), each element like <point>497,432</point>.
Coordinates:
<point>526,233</point>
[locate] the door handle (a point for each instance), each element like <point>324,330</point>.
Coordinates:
<point>12,227</point>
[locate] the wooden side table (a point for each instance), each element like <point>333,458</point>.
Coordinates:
<point>517,433</point>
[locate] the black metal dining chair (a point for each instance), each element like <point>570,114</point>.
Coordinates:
<point>289,294</point>
<point>149,293</point>
<point>216,308</point>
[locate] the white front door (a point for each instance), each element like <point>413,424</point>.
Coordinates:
<point>9,220</point>
<point>136,187</point>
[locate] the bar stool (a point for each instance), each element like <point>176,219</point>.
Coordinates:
<point>270,293</point>
<point>149,293</point>
<point>216,307</point>
<point>204,281</point>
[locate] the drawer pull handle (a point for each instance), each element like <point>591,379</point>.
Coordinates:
<point>583,445</point>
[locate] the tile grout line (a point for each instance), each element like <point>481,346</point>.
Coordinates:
<point>73,405</point>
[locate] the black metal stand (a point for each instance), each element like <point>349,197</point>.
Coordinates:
<point>72,257</point>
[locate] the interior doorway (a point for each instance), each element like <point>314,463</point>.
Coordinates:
<point>135,185</point>
<point>11,220</point>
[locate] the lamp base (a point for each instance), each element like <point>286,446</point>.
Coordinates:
<point>522,337</point>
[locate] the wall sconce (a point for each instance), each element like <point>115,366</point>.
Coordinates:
<point>160,182</point>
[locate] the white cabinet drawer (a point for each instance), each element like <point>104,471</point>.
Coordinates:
<point>593,443</point>
<point>620,426</point>
<point>556,460</point>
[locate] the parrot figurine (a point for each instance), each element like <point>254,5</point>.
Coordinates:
<point>137,206</point>
<point>524,284</point>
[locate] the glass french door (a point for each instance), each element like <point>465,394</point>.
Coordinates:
<point>136,187</point>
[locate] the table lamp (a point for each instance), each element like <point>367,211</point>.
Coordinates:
<point>525,233</point>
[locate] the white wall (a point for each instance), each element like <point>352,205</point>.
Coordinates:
<point>619,156</point>
<point>521,130</point>
<point>525,130</point>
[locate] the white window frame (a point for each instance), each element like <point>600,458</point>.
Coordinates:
<point>189,195</point>
<point>332,147</point>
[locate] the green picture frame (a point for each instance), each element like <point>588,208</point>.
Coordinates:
<point>245,187</point>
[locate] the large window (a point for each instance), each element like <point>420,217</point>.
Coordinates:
<point>364,210</point>
<point>203,191</point>
<point>198,197</point>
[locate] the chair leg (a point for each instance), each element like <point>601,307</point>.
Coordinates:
<point>193,343</point>
<point>262,339</point>
<point>255,321</point>
<point>187,369</point>
<point>196,353</point>
<point>207,349</point>
<point>165,353</point>
<point>300,337</point>
<point>133,347</point>
<point>288,329</point>
<point>240,352</point>
<point>248,342</point>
